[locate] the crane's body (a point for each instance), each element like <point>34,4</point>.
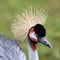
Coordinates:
<point>10,50</point>
<point>26,24</point>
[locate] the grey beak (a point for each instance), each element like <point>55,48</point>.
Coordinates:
<point>45,42</point>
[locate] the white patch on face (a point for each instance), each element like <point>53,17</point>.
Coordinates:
<point>33,37</point>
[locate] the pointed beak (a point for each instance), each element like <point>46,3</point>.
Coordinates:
<point>45,42</point>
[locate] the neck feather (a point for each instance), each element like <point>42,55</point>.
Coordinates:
<point>33,55</point>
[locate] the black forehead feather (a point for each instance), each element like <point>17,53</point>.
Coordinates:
<point>40,30</point>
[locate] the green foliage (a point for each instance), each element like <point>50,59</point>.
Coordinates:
<point>8,8</point>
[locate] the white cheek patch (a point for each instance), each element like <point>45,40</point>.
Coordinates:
<point>33,37</point>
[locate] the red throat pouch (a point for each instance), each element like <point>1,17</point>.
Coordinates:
<point>33,46</point>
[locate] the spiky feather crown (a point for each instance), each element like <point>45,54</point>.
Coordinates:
<point>25,20</point>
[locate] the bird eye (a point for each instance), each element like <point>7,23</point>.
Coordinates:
<point>37,36</point>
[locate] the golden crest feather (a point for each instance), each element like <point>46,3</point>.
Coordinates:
<point>25,20</point>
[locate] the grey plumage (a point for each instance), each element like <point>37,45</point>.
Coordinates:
<point>9,50</point>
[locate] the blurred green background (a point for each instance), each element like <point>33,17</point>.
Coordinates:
<point>8,8</point>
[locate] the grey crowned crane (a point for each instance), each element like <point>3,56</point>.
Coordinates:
<point>26,24</point>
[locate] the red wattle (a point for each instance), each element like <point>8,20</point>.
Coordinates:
<point>33,46</point>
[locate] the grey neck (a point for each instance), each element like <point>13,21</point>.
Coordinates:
<point>33,55</point>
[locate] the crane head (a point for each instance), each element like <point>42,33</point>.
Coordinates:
<point>37,34</point>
